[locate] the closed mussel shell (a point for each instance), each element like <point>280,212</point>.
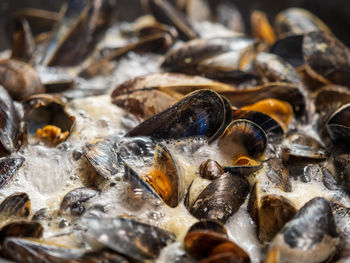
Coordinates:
<point>21,229</point>
<point>72,202</point>
<point>221,198</point>
<point>128,237</point>
<point>202,113</point>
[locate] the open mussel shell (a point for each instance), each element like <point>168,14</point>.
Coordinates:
<point>202,113</point>
<point>128,237</point>
<point>16,205</point>
<point>270,212</point>
<point>72,202</point>
<point>80,28</point>
<point>298,21</point>
<point>303,148</point>
<point>163,180</point>
<point>19,79</point>
<point>167,14</point>
<point>208,240</point>
<point>9,124</point>
<point>271,127</point>
<point>310,236</point>
<point>8,167</point>
<point>221,198</point>
<point>32,250</point>
<point>47,114</point>
<point>246,134</point>
<point>21,229</point>
<point>281,91</point>
<point>338,126</point>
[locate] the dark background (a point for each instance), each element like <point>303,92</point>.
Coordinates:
<point>335,13</point>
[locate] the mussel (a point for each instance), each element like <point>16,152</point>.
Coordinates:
<point>311,235</point>
<point>72,202</point>
<point>21,229</point>
<point>19,79</point>
<point>129,237</point>
<point>8,167</point>
<point>208,240</point>
<point>16,205</point>
<point>192,116</point>
<point>338,126</point>
<point>9,124</point>
<point>47,119</point>
<point>218,199</point>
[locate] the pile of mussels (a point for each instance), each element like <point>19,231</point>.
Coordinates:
<point>233,148</point>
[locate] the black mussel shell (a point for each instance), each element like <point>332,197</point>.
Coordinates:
<point>201,113</point>
<point>77,33</point>
<point>15,205</point>
<point>271,127</point>
<point>311,235</point>
<point>128,237</point>
<point>338,126</point>
<point>277,173</point>
<point>21,229</point>
<point>167,14</point>
<point>221,198</point>
<point>9,124</point>
<point>73,201</point>
<point>31,250</point>
<point>298,21</point>
<point>104,256</point>
<point>8,167</point>
<point>290,49</point>
<point>342,169</point>
<point>244,133</point>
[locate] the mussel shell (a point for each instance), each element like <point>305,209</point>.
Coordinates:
<point>8,167</point>
<point>298,21</point>
<point>73,200</point>
<point>270,212</point>
<point>228,257</point>
<point>327,57</point>
<point>338,126</point>
<point>290,49</point>
<point>276,69</point>
<point>208,239</point>
<point>21,229</point>
<point>31,250</point>
<point>342,169</point>
<point>43,110</point>
<point>104,256</point>
<point>282,91</point>
<point>303,148</point>
<point>201,113</point>
<point>245,132</point>
<point>128,237</point>
<point>271,127</point>
<point>19,79</point>
<point>104,159</point>
<point>165,13</point>
<point>203,236</point>
<point>243,169</point>
<point>23,45</point>
<point>9,124</point>
<point>15,205</point>
<point>210,169</point>
<point>277,173</point>
<point>311,235</point>
<point>221,198</point>
<point>78,32</point>
<point>191,54</point>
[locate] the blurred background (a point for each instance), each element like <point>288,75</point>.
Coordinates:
<point>335,13</point>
